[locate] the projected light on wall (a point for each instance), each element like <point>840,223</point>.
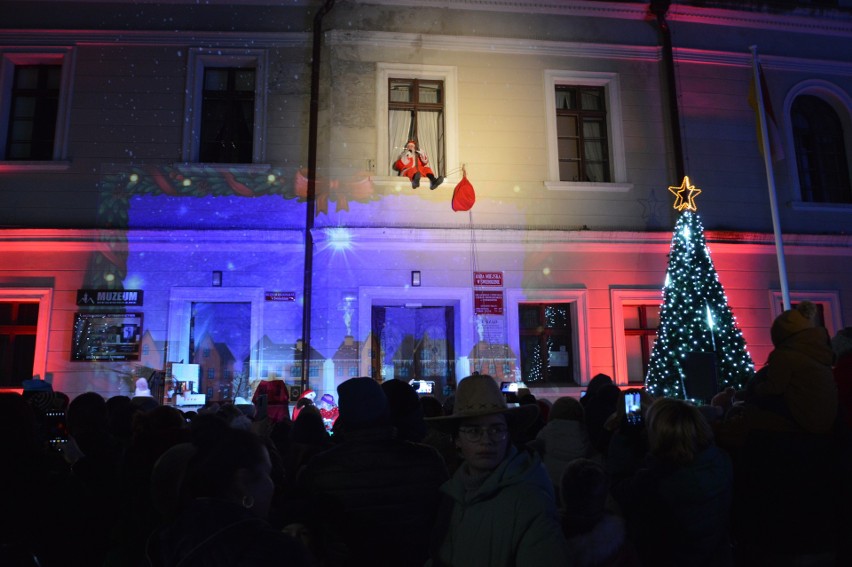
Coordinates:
<point>340,239</point>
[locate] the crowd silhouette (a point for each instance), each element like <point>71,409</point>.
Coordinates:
<point>760,476</point>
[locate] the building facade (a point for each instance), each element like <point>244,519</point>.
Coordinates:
<point>234,163</point>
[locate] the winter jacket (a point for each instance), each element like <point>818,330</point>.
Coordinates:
<point>372,499</point>
<point>510,520</point>
<point>799,370</point>
<point>679,515</point>
<point>217,533</point>
<point>560,442</point>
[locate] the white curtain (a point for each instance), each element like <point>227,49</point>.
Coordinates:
<point>593,149</point>
<point>429,138</point>
<point>399,128</point>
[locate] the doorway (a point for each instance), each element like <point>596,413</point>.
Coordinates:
<point>220,344</point>
<point>415,343</point>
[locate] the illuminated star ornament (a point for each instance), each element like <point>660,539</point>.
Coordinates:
<point>691,192</point>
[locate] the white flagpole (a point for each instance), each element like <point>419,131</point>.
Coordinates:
<point>770,179</point>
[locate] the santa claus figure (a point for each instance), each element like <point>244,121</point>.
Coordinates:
<point>414,164</point>
<point>328,410</point>
<point>306,399</point>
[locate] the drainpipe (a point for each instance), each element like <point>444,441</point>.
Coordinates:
<point>313,127</point>
<point>659,8</point>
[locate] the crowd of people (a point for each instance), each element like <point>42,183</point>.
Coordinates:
<point>760,476</point>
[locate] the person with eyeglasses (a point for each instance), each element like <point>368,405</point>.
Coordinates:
<point>499,507</point>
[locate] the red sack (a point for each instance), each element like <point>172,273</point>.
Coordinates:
<point>463,195</point>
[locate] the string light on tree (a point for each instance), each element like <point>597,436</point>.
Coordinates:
<point>695,316</point>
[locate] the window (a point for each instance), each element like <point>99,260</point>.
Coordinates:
<point>820,151</point>
<point>34,100</point>
<point>635,318</point>
<point>226,107</point>
<point>416,112</point>
<point>211,373</point>
<point>581,134</point>
<point>584,132</point>
<point>546,342</point>
<point>18,324</point>
<point>32,119</point>
<point>640,331</point>
<point>417,101</point>
<point>227,115</point>
<point>205,352</point>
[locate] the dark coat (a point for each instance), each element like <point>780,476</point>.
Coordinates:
<point>372,499</point>
<point>217,533</point>
<point>679,515</point>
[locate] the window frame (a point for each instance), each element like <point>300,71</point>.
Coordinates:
<point>541,334</point>
<point>9,61</point>
<point>618,299</point>
<point>615,133</point>
<point>841,102</point>
<point>447,74</point>
<point>581,364</point>
<point>44,298</point>
<point>200,59</point>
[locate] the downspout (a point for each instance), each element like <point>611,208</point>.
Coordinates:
<point>313,127</point>
<point>659,8</point>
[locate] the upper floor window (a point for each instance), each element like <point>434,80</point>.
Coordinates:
<point>227,115</point>
<point>32,119</point>
<point>417,102</point>
<point>585,140</point>
<point>581,132</point>
<point>820,151</point>
<point>34,99</point>
<point>225,106</point>
<point>416,112</point>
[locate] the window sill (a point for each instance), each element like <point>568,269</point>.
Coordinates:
<point>33,166</point>
<point>402,182</point>
<point>590,187</point>
<point>820,207</point>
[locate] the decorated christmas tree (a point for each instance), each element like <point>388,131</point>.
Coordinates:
<point>696,323</point>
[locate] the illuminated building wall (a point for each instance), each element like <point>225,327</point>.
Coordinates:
<point>125,200</point>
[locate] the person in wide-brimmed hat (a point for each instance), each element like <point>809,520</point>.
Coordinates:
<point>499,507</point>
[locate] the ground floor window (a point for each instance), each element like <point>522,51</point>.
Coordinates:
<point>640,332</point>
<point>18,324</point>
<point>546,342</point>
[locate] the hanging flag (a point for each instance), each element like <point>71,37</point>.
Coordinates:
<point>777,151</point>
<point>463,195</point>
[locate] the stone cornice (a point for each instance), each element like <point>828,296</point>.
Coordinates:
<point>248,40</point>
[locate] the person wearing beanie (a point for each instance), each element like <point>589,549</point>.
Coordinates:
<point>798,383</point>
<point>406,412</point>
<point>372,498</point>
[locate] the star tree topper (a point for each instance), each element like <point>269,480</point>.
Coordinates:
<point>687,202</point>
